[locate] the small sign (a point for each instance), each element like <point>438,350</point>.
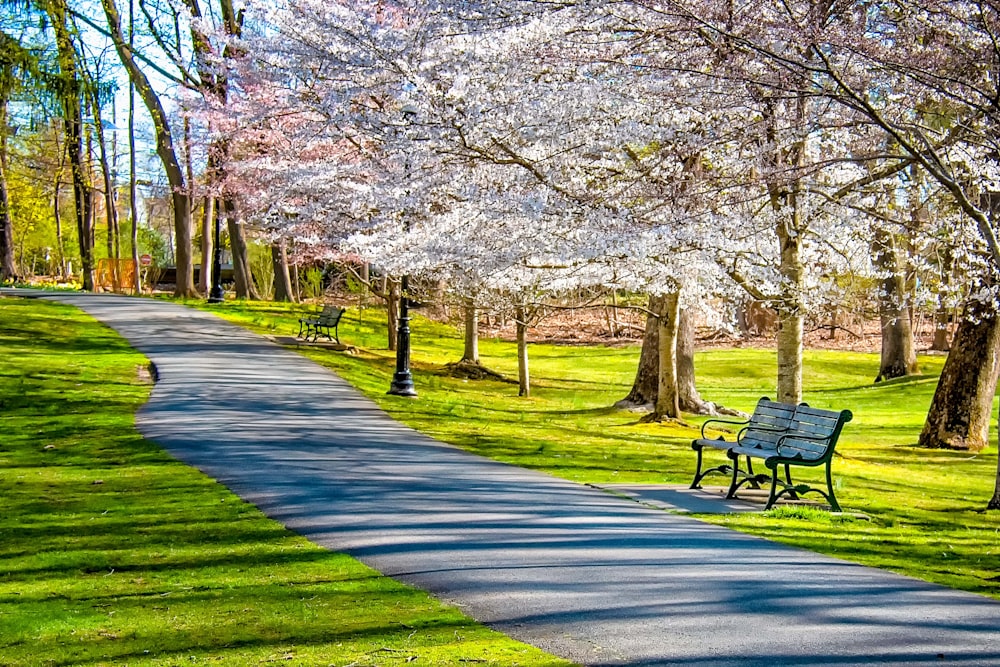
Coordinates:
<point>145,260</point>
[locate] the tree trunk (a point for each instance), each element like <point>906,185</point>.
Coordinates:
<point>8,269</point>
<point>899,356</point>
<point>282,277</point>
<point>994,503</point>
<point>647,374</point>
<point>242,276</point>
<point>667,395</point>
<point>132,179</point>
<point>110,206</point>
<point>180,196</point>
<point>57,219</point>
<point>687,389</point>
<point>471,315</point>
<point>790,314</point>
<point>960,410</point>
<point>523,378</point>
<point>789,355</point>
<point>942,317</point>
<point>208,214</point>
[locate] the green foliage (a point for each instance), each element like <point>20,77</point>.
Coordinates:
<point>114,553</point>
<point>152,243</point>
<point>262,268</point>
<point>926,507</point>
<point>311,282</point>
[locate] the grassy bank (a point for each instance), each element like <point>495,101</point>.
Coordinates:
<point>113,553</point>
<point>925,507</point>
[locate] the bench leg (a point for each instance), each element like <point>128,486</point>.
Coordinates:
<point>834,505</point>
<point>773,496</point>
<point>788,481</point>
<point>734,484</point>
<point>698,474</point>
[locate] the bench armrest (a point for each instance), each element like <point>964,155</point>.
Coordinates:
<point>721,421</point>
<point>801,436</point>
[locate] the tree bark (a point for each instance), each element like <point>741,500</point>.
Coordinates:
<point>242,276</point>
<point>647,377</point>
<point>471,315</point>
<point>960,410</point>
<point>282,277</point>
<point>180,196</point>
<point>899,356</point>
<point>790,320</point>
<point>941,329</point>
<point>667,395</point>
<point>523,377</point>
<point>8,269</point>
<point>687,389</point>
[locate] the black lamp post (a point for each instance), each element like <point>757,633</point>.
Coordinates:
<point>216,295</point>
<point>402,379</point>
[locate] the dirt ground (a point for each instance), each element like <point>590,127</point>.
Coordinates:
<point>593,326</point>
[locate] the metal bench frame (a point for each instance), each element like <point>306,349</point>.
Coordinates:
<point>323,324</point>
<point>783,435</point>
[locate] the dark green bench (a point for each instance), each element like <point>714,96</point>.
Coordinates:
<point>323,324</point>
<point>782,435</point>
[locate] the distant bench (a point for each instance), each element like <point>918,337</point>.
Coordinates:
<point>324,323</point>
<point>783,435</point>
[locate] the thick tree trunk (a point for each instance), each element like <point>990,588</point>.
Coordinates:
<point>471,315</point>
<point>282,277</point>
<point>687,389</point>
<point>647,375</point>
<point>790,309</point>
<point>523,377</point>
<point>960,410</point>
<point>242,276</point>
<point>942,317</point>
<point>899,356</point>
<point>645,387</point>
<point>667,396</point>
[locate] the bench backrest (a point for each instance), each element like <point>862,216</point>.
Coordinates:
<point>819,430</point>
<point>767,424</point>
<point>330,316</point>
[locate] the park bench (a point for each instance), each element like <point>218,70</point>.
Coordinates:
<point>322,324</point>
<point>782,435</point>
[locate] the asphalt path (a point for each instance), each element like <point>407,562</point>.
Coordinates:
<point>581,573</point>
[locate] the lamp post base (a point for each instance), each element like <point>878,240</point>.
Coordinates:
<point>402,385</point>
<point>216,295</point>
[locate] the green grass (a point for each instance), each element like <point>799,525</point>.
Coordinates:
<point>925,508</point>
<point>113,553</point>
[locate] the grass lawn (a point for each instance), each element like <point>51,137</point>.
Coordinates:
<point>113,553</point>
<point>925,507</point>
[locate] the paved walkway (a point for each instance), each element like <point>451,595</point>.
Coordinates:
<point>582,573</point>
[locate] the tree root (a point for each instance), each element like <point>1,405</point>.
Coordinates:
<point>471,370</point>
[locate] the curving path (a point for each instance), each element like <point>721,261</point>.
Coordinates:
<point>573,570</point>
